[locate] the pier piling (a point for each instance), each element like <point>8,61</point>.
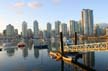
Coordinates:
<point>75,38</point>
<point>61,40</point>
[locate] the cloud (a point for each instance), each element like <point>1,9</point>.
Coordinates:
<point>56,1</point>
<point>19,5</point>
<point>34,5</point>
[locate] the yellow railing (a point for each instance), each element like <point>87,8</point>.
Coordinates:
<point>102,46</point>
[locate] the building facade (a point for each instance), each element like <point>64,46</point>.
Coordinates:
<point>24,29</point>
<point>64,29</point>
<point>36,29</point>
<point>106,31</point>
<point>73,27</point>
<point>87,22</point>
<point>57,28</point>
<point>48,30</point>
<point>29,33</point>
<point>16,32</point>
<point>97,30</point>
<point>10,32</point>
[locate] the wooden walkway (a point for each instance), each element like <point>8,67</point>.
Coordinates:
<point>102,46</point>
<point>71,61</point>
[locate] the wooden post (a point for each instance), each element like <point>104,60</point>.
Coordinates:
<point>0,49</point>
<point>75,38</point>
<point>61,40</point>
<point>62,65</point>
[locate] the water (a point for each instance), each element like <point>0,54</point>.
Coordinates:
<point>33,59</point>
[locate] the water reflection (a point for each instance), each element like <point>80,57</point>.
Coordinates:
<point>49,45</point>
<point>55,45</point>
<point>38,59</point>
<point>36,52</point>
<point>10,51</point>
<point>87,64</point>
<point>1,43</point>
<point>25,52</point>
<point>35,42</point>
<point>89,59</point>
<point>29,43</point>
<point>62,65</point>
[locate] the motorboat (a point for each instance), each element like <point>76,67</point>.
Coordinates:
<point>68,42</point>
<point>40,44</point>
<point>21,44</point>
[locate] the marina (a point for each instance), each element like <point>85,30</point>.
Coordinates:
<point>30,58</point>
<point>53,35</point>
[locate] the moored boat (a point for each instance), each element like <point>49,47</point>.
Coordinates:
<point>7,44</point>
<point>69,42</point>
<point>21,44</point>
<point>41,46</point>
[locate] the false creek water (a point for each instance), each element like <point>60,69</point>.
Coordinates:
<point>34,59</point>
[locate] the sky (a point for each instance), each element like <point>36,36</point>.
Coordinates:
<point>16,11</point>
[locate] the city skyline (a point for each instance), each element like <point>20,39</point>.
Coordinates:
<point>16,11</point>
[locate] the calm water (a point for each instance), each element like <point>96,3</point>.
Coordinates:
<point>33,59</point>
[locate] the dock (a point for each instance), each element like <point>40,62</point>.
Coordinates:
<point>102,46</point>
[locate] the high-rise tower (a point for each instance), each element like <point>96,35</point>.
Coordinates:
<point>48,30</point>
<point>10,32</point>
<point>64,29</point>
<point>36,29</point>
<point>73,27</point>
<point>57,28</point>
<point>87,22</point>
<point>24,29</point>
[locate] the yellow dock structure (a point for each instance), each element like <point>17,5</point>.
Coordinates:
<point>102,46</point>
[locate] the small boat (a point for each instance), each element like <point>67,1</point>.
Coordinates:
<point>7,44</point>
<point>21,44</point>
<point>41,46</point>
<point>69,42</point>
